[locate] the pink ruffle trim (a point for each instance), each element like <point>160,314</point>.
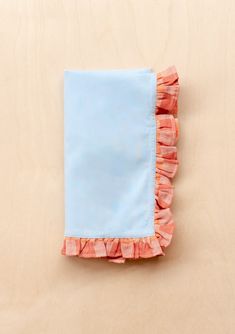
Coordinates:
<point>119,249</point>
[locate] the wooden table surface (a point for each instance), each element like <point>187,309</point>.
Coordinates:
<point>191,289</point>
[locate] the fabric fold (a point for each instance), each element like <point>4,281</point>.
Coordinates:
<point>151,242</point>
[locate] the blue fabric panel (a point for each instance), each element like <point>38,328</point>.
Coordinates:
<point>109,153</point>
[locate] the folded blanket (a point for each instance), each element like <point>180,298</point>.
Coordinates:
<point>120,131</point>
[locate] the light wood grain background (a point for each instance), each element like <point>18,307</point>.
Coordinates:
<point>191,290</point>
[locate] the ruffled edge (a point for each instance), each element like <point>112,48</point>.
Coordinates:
<point>119,249</point>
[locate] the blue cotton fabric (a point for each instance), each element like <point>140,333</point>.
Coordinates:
<point>109,153</point>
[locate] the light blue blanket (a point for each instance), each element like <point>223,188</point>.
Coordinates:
<point>109,153</point>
